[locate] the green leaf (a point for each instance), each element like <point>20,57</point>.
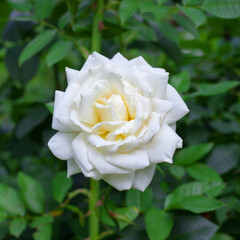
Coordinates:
<point>192,154</point>
<point>192,227</point>
<point>37,44</point>
<point>20,5</point>
<point>32,193</point>
<point>222,236</point>
<point>148,7</point>
<point>60,186</point>
<point>10,201</point>
<point>202,172</point>
<point>187,24</point>
<point>17,226</point>
<point>50,106</point>
<point>176,171</point>
<point>197,16</point>
<point>43,8</point>
<point>140,200</point>
<point>181,81</point>
<point>222,8</point>
<point>158,223</point>
<point>58,52</point>
<point>199,204</point>
<point>209,89</point>
<point>169,31</point>
<point>193,2</point>
<point>43,225</point>
<point>189,189</point>
<point>127,9</point>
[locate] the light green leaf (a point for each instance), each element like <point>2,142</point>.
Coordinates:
<point>37,44</point>
<point>17,226</point>
<point>10,201</point>
<point>60,186</point>
<point>140,200</point>
<point>189,189</point>
<point>176,171</point>
<point>58,51</point>
<point>32,193</point>
<point>181,81</point>
<point>43,8</point>
<point>196,15</point>
<point>127,9</point>
<point>222,236</point>
<point>169,31</point>
<point>20,5</point>
<point>192,154</point>
<point>147,6</point>
<point>158,223</point>
<point>193,2</point>
<point>222,8</point>
<point>50,106</point>
<point>199,204</point>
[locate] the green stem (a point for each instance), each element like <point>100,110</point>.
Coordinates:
<point>96,32</point>
<point>94,185</point>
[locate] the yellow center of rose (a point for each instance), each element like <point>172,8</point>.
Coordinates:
<point>111,109</point>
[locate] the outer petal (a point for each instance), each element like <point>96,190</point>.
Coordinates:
<point>80,152</point>
<point>98,160</point>
<point>95,59</point>
<point>179,107</point>
<point>157,79</point>
<point>162,107</point>
<point>74,75</point>
<point>118,60</point>
<point>61,145</point>
<point>143,177</point>
<point>63,109</point>
<point>72,168</point>
<point>133,161</point>
<point>120,182</point>
<point>163,145</point>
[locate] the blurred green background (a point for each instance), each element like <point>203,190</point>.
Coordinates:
<point>197,42</point>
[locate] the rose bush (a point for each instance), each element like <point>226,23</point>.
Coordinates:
<point>116,121</point>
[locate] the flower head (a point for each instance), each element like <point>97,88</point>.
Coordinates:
<point>116,121</point>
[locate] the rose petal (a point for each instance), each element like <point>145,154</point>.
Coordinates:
<point>80,152</point>
<point>74,75</point>
<point>72,168</point>
<point>179,107</point>
<point>98,160</point>
<point>120,182</point>
<point>63,109</point>
<point>162,107</point>
<point>134,160</point>
<point>61,145</point>
<point>140,62</point>
<point>118,60</point>
<point>163,145</point>
<point>143,178</point>
<point>95,59</point>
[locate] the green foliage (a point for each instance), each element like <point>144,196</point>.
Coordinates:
<point>197,42</point>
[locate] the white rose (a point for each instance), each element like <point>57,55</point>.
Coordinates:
<point>116,121</point>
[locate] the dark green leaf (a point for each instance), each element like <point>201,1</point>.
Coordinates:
<point>196,15</point>
<point>35,117</point>
<point>43,8</point>
<point>176,171</point>
<point>222,236</point>
<point>148,7</point>
<point>193,2</point>
<point>32,193</point>
<point>158,223</point>
<point>17,226</point>
<point>50,106</point>
<point>140,200</point>
<point>199,204</point>
<point>3,229</point>
<point>181,81</point>
<point>222,8</point>
<point>60,186</point>
<point>169,31</point>
<point>20,5</point>
<point>127,9</point>
<point>37,44</point>
<point>192,154</point>
<point>192,227</point>
<point>58,52</point>
<point>10,201</point>
<point>224,158</point>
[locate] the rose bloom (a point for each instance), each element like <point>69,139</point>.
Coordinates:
<point>116,121</point>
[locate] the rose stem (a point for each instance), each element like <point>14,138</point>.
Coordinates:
<point>95,185</point>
